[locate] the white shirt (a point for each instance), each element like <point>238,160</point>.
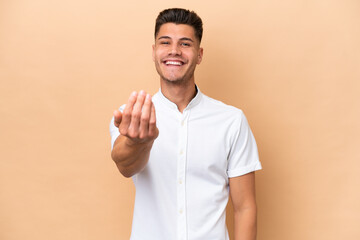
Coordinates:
<point>183,191</point>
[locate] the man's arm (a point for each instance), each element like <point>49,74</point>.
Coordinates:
<point>242,193</point>
<point>137,127</point>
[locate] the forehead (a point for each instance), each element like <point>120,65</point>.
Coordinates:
<point>176,31</point>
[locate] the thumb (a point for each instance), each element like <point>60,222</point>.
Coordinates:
<point>117,118</point>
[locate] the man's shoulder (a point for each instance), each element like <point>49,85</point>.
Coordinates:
<point>212,104</point>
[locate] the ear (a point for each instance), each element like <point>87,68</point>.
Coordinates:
<point>153,52</point>
<point>200,55</point>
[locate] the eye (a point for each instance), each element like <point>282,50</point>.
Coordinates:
<point>164,42</point>
<point>185,44</point>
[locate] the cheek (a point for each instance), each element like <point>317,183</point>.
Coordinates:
<point>158,55</point>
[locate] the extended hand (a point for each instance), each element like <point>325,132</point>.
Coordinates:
<point>138,120</point>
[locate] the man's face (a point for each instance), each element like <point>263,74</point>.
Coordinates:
<point>176,52</point>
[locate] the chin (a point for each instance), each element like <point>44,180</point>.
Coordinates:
<point>174,81</point>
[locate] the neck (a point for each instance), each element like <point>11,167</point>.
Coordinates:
<point>180,94</point>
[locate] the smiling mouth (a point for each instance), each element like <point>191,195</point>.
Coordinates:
<point>173,63</point>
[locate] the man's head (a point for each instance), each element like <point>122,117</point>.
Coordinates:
<point>177,50</point>
<point>180,16</point>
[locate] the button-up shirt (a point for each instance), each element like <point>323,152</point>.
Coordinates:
<point>183,191</point>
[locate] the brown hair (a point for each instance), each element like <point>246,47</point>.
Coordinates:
<point>180,16</point>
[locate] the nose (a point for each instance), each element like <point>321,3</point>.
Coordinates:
<point>175,50</point>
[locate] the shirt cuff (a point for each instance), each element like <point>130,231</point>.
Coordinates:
<point>244,170</point>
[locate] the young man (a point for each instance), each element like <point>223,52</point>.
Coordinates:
<point>185,151</point>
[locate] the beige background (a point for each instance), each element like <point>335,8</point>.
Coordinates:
<point>292,66</point>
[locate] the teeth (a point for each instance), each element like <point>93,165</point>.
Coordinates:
<point>173,63</point>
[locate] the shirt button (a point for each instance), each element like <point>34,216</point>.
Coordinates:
<point>182,122</point>
<point>181,152</point>
<point>180,211</point>
<point>180,181</point>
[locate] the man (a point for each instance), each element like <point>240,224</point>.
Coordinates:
<point>185,151</point>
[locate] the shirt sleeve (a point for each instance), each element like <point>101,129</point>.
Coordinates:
<point>114,131</point>
<point>243,157</point>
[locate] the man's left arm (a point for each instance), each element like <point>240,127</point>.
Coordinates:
<point>242,193</point>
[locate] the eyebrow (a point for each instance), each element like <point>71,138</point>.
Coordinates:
<point>183,38</point>
<point>186,39</point>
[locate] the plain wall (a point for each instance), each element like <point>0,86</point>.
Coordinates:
<point>293,67</point>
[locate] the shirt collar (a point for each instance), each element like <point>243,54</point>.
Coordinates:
<point>195,101</point>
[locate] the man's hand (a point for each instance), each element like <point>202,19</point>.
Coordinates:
<point>138,120</point>
<point>137,126</point>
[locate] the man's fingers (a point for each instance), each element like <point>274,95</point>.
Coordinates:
<point>117,118</point>
<point>153,131</point>
<point>138,120</point>
<point>136,115</point>
<point>145,117</point>
<point>126,116</point>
